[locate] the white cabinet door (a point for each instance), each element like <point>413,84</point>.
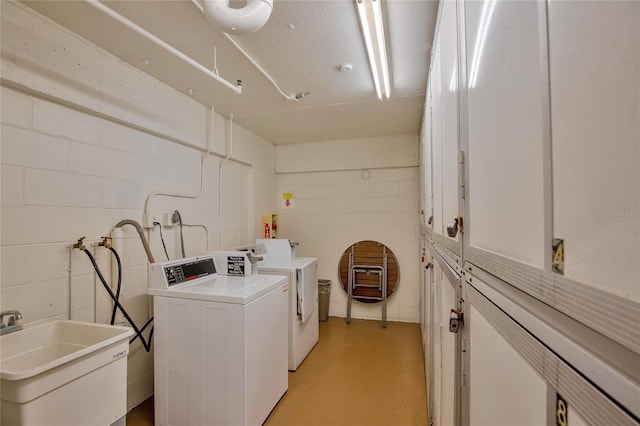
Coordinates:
<point>594,50</point>
<point>445,400</point>
<point>506,126</point>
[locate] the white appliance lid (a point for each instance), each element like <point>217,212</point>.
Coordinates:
<point>277,247</point>
<point>222,288</point>
<point>284,263</point>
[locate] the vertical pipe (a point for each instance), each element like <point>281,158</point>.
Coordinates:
<point>95,292</point>
<point>70,270</point>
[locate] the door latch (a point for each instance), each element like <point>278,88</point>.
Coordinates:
<point>452,228</point>
<point>456,318</point>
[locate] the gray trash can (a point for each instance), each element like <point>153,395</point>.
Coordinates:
<point>324,293</point>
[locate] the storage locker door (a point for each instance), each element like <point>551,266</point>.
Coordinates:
<point>435,402</point>
<point>444,133</point>
<point>425,315</point>
<point>446,380</point>
<point>424,291</point>
<point>515,354</point>
<point>427,335</point>
<point>504,389</point>
<point>436,140</point>
<point>507,84</point>
<point>426,162</point>
<point>450,145</point>
<point>596,141</point>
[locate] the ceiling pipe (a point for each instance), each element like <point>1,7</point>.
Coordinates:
<point>237,88</point>
<point>245,20</point>
<point>255,63</point>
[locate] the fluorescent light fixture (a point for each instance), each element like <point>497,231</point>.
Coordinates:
<point>370,13</point>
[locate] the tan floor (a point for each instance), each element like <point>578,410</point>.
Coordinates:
<point>358,374</point>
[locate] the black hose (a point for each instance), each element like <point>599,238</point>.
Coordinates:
<point>147,345</point>
<point>181,236</point>
<point>115,308</point>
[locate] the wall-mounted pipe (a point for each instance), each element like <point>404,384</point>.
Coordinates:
<point>203,158</point>
<point>138,227</point>
<point>146,34</point>
<point>251,59</point>
<point>245,20</point>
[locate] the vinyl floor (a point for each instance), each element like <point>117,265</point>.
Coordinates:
<point>358,374</point>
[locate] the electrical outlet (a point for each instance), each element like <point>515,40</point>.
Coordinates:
<point>167,219</point>
<point>149,218</point>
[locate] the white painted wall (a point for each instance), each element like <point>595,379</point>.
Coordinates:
<point>85,140</point>
<point>335,205</point>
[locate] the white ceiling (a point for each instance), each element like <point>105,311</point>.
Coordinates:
<point>300,47</point>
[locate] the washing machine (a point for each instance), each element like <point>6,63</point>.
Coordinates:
<point>220,344</point>
<point>302,273</point>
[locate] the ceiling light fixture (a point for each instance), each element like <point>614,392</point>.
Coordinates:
<point>370,13</point>
<point>246,20</point>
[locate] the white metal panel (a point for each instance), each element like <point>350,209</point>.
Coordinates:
<point>436,121</point>
<point>449,382</point>
<point>612,367</point>
<point>444,347</point>
<point>449,92</point>
<point>505,125</point>
<point>303,336</point>
<point>265,340</point>
<point>504,388</point>
<point>596,141</point>
<point>574,417</point>
<point>426,160</point>
<point>190,389</point>
<point>435,310</point>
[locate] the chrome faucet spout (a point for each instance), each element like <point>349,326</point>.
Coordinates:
<point>14,323</point>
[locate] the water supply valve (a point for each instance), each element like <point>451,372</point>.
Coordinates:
<point>80,244</point>
<point>105,242</point>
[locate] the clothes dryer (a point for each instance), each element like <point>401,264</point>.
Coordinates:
<point>302,274</point>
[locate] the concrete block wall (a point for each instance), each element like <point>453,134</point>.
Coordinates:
<point>85,140</point>
<point>347,191</point>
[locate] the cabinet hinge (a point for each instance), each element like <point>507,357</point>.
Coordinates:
<point>463,362</point>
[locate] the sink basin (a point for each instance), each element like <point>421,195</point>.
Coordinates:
<point>64,372</point>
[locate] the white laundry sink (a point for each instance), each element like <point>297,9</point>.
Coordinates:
<point>60,372</point>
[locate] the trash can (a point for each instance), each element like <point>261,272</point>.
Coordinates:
<point>324,293</point>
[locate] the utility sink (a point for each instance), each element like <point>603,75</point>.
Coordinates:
<point>60,372</point>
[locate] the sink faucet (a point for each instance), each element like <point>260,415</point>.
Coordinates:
<point>13,324</point>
